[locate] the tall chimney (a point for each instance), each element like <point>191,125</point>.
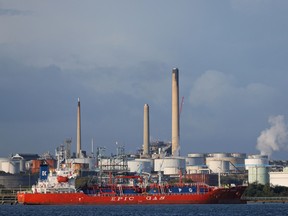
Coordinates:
<point>146,132</point>
<point>175,113</point>
<point>78,153</point>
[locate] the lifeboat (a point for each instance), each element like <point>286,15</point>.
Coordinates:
<point>62,179</point>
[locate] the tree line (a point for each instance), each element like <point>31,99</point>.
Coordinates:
<point>267,190</point>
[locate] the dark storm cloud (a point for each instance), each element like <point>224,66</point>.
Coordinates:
<point>34,96</point>
<point>231,56</point>
<point>40,105</point>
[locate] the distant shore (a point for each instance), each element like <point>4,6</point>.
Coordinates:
<point>266,199</point>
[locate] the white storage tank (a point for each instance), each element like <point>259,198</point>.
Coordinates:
<point>256,160</point>
<point>134,166</point>
<point>5,166</point>
<point>2,160</point>
<point>257,166</point>
<point>220,155</point>
<point>196,155</point>
<point>197,169</point>
<point>170,162</point>
<point>10,167</point>
<point>149,164</point>
<point>19,163</point>
<point>239,162</point>
<point>139,166</point>
<point>258,175</point>
<point>195,160</point>
<point>235,160</point>
<point>16,165</point>
<point>22,165</point>
<point>217,165</point>
<point>232,163</point>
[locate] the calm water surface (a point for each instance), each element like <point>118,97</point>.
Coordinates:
<point>145,210</point>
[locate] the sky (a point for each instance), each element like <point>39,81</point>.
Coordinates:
<point>119,55</point>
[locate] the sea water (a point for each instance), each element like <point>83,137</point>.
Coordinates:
<point>278,209</point>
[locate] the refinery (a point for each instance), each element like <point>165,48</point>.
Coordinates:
<point>158,161</point>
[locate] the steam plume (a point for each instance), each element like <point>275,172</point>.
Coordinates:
<point>274,138</point>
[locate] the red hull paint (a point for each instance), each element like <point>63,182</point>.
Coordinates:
<point>62,179</point>
<point>217,196</point>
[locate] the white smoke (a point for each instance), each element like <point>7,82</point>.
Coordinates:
<point>274,138</point>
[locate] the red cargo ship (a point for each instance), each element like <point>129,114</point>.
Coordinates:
<point>215,196</point>
<point>53,190</point>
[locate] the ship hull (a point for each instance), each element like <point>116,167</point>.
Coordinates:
<point>217,196</point>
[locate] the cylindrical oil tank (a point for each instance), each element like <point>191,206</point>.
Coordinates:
<point>235,164</point>
<point>239,162</point>
<point>196,169</point>
<point>5,166</point>
<point>236,160</point>
<point>232,163</point>
<point>134,166</point>
<point>172,162</point>
<point>1,161</point>
<point>22,165</point>
<point>257,166</point>
<point>10,167</point>
<point>220,155</point>
<point>217,165</point>
<point>258,174</point>
<point>195,160</point>
<point>196,155</point>
<point>139,166</point>
<point>16,165</point>
<point>149,162</point>
<point>256,160</point>
<point>19,160</point>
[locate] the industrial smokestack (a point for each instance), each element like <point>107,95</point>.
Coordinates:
<point>78,153</point>
<point>175,113</point>
<point>146,132</point>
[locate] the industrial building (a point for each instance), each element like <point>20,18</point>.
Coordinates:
<point>156,158</point>
<point>279,178</point>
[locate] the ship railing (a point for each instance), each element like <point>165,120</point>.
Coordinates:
<point>143,194</point>
<point>49,191</point>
